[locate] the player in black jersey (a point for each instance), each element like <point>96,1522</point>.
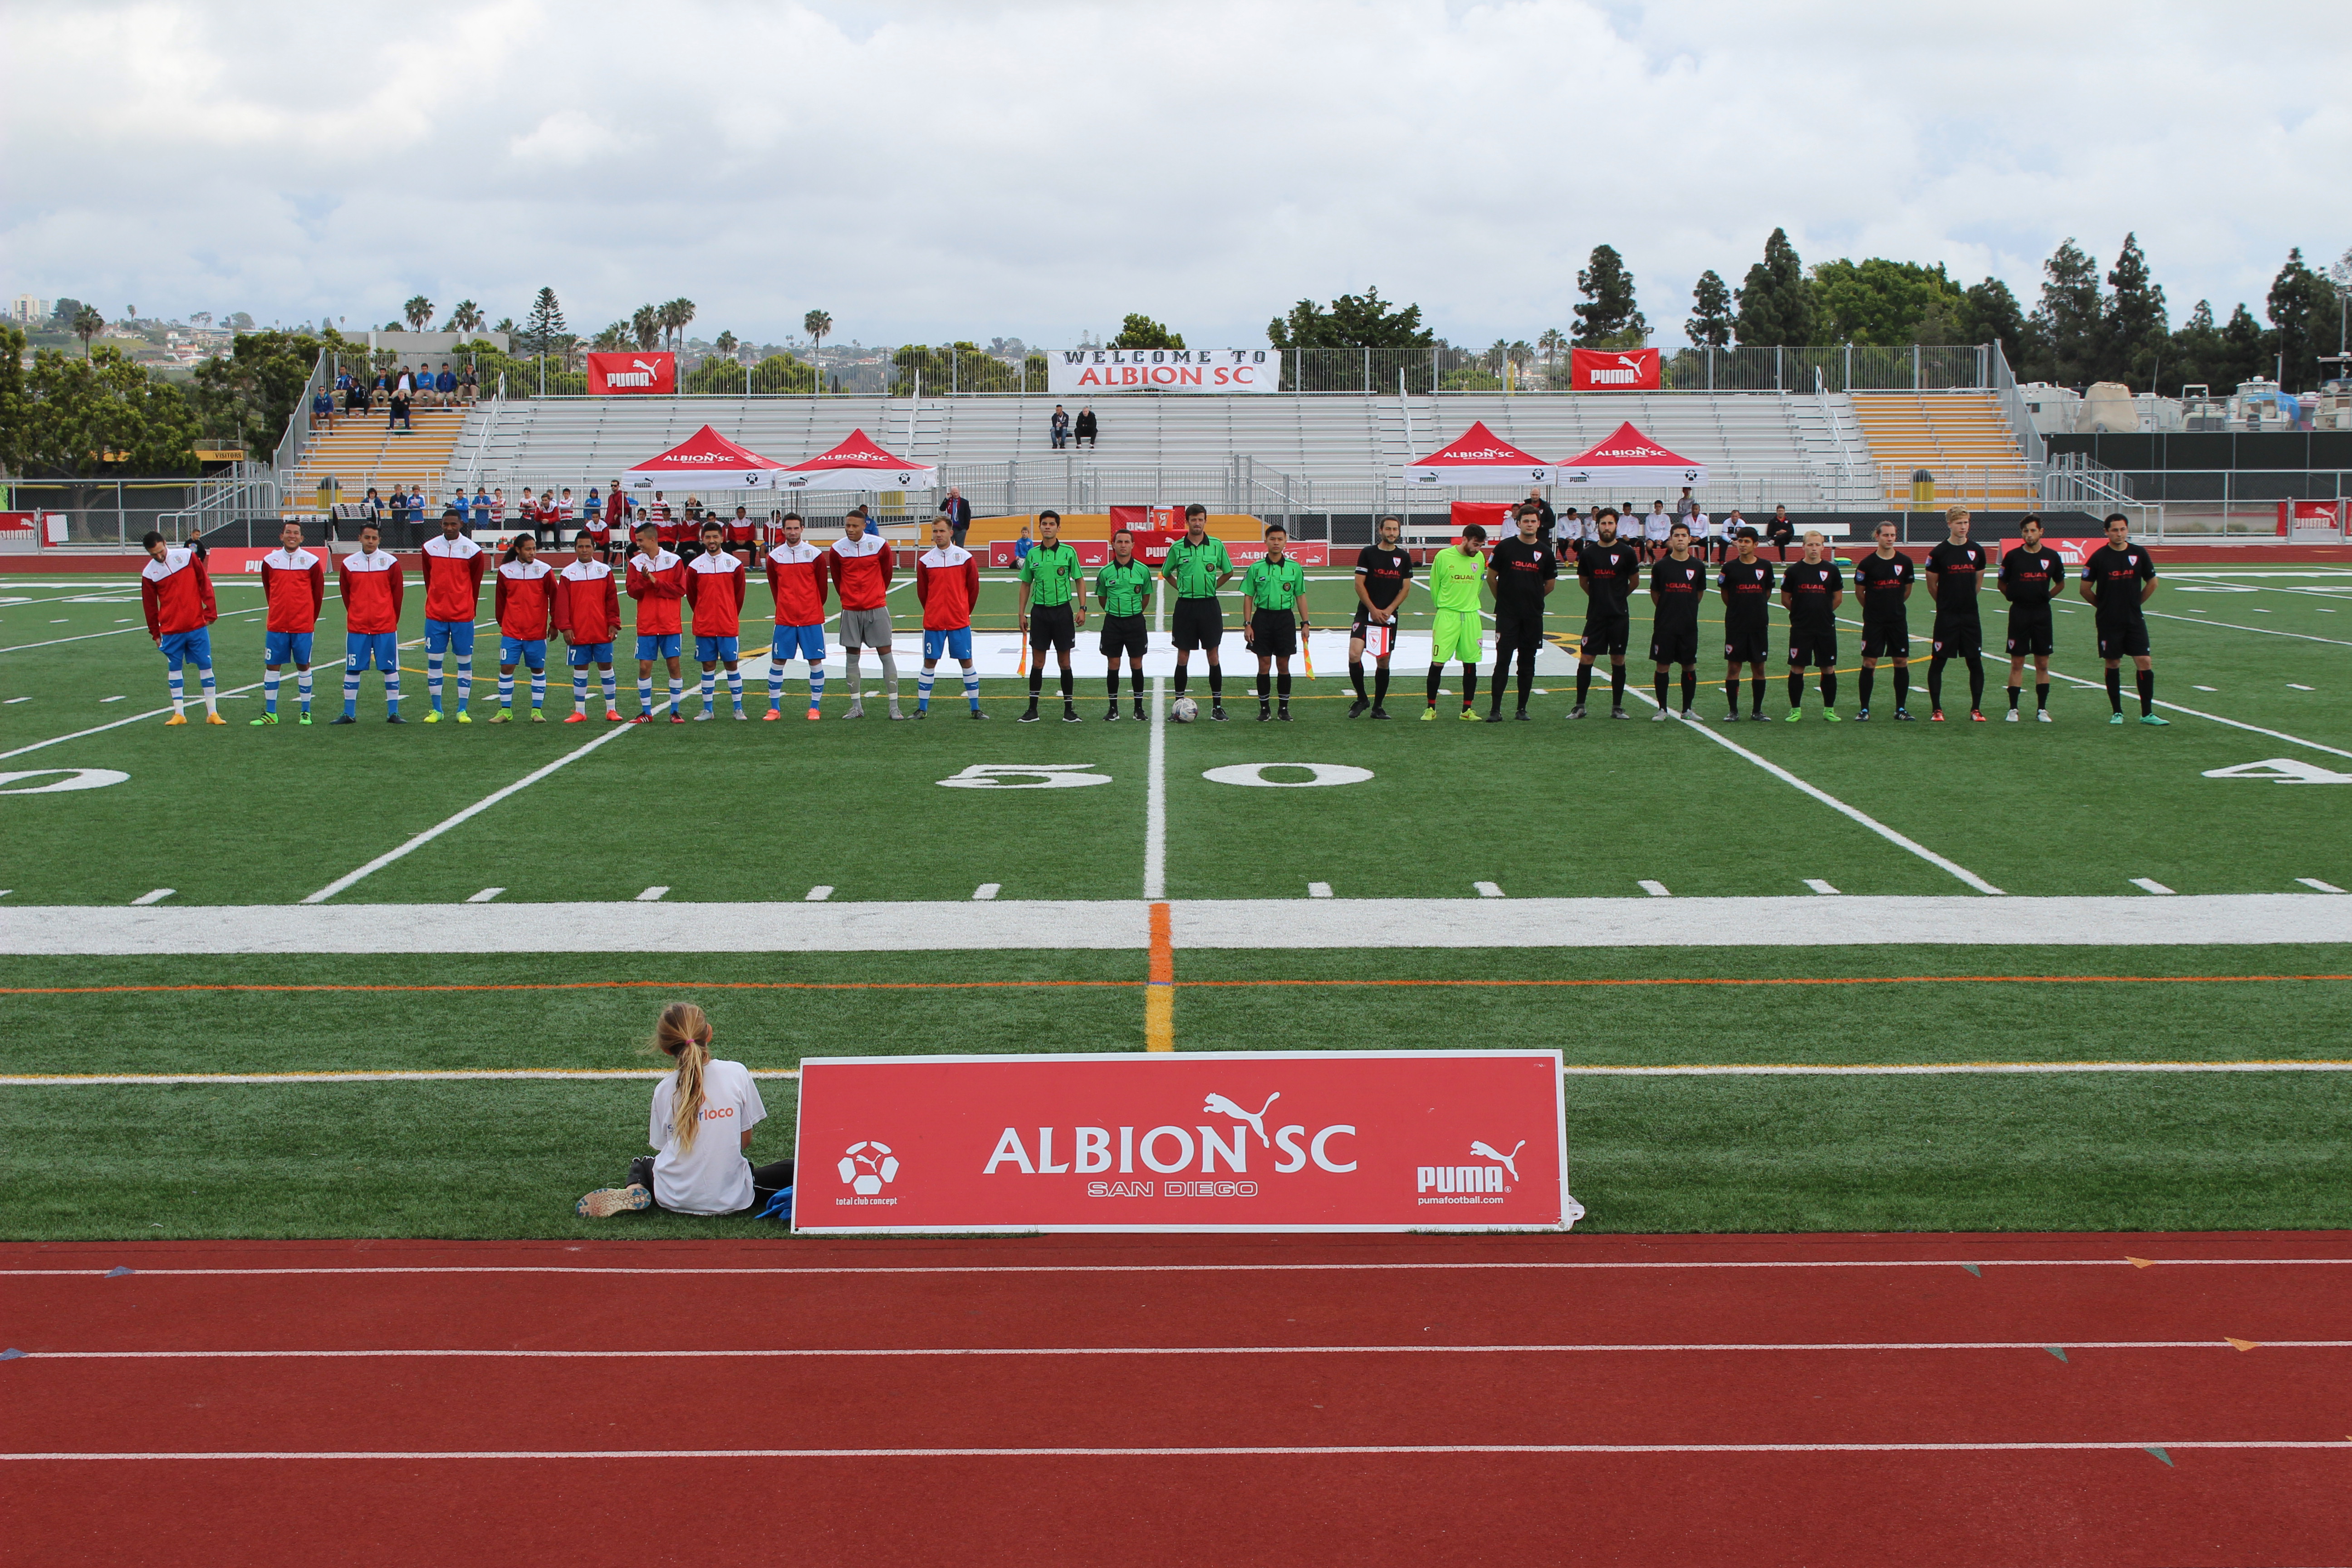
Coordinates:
<point>1881,582</point>
<point>1382,571</point>
<point>1521,573</point>
<point>2118,580</point>
<point>1810,591</point>
<point>1677,584</point>
<point>1607,569</point>
<point>1955,568</point>
<point>1745,586</point>
<point>2031,575</point>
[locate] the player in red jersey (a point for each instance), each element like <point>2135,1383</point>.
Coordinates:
<point>453,567</point>
<point>946,583</point>
<point>587,611</point>
<point>525,608</point>
<point>294,583</point>
<point>860,561</point>
<point>743,533</point>
<point>797,575</point>
<point>658,583</point>
<point>715,581</point>
<point>177,594</point>
<point>372,586</point>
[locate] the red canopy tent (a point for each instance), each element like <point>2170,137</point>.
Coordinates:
<point>705,460</point>
<point>857,464</point>
<point>1478,456</point>
<point>1630,458</point>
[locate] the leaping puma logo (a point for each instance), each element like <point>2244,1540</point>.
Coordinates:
<point>1509,1161</point>
<point>1218,1105</point>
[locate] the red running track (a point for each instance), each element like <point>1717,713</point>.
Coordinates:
<point>1607,1399</point>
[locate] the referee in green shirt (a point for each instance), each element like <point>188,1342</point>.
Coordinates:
<point>1199,566</point>
<point>1124,586</point>
<point>1053,607</point>
<point>1274,590</point>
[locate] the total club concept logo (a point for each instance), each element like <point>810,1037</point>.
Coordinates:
<point>867,1167</point>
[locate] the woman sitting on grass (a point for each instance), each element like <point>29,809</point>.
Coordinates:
<point>702,1121</point>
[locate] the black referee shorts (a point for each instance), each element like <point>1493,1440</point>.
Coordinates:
<point>1273,632</point>
<point>1122,637</point>
<point>1052,626</point>
<point>2031,635</point>
<point>1198,623</point>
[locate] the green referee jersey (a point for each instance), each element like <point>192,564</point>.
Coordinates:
<point>1123,590</point>
<point>1051,571</point>
<point>1195,568</point>
<point>1274,584</point>
<point>1454,579</point>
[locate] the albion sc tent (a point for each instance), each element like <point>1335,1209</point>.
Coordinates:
<point>1479,456</point>
<point>857,464</point>
<point>1630,458</point>
<point>705,460</point>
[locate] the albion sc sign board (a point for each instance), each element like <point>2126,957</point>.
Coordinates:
<point>1273,1140</point>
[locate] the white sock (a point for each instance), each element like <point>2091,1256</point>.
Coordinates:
<point>539,687</point>
<point>179,683</point>
<point>269,691</point>
<point>302,688</point>
<point>465,680</point>
<point>971,687</point>
<point>735,688</point>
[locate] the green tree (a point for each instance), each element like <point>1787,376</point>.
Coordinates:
<point>14,411</point>
<point>1552,342</point>
<point>1991,314</point>
<point>817,324</point>
<point>2246,349</point>
<point>1776,299</point>
<point>64,312</point>
<point>2067,326</point>
<point>246,395</point>
<point>1608,318</point>
<point>2301,306</point>
<point>2137,326</point>
<point>81,416</point>
<point>1353,321</point>
<point>645,323</point>
<point>674,317</point>
<point>86,324</point>
<point>467,317</point>
<point>725,344</point>
<point>1883,301</point>
<point>619,335</point>
<point>783,372</point>
<point>545,326</point>
<point>418,312</point>
<point>1140,332</point>
<point>1709,325</point>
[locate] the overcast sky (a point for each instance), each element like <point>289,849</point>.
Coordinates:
<point>934,171</point>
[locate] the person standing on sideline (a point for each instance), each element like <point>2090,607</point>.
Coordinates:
<point>1086,427</point>
<point>478,521</point>
<point>1124,585</point>
<point>2117,579</point>
<point>453,566</point>
<point>1383,572</point>
<point>947,585</point>
<point>715,581</point>
<point>372,586</point>
<point>2031,576</point>
<point>1521,573</point>
<point>294,587</point>
<point>1022,545</point>
<point>1744,584</point>
<point>1810,591</point>
<point>524,604</point>
<point>176,593</point>
<point>1058,427</point>
<point>587,611</point>
<point>1455,630</point>
<point>1780,531</point>
<point>1545,516</point>
<point>1274,591</point>
<point>861,563</point>
<point>797,576</point>
<point>1607,569</point>
<point>1882,581</point>
<point>703,1116</point>
<point>1955,569</point>
<point>656,582</point>
<point>1053,607</point>
<point>1677,586</point>
<point>957,511</point>
<point>1199,567</point>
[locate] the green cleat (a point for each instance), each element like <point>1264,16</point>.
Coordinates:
<point>503,716</point>
<point>538,715</point>
<point>433,716</point>
<point>1830,715</point>
<point>265,719</point>
<point>464,717</point>
<point>2116,718</point>
<point>2152,718</point>
<point>1794,714</point>
<point>304,721</point>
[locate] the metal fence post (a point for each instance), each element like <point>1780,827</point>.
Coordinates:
<point>121,534</point>
<point>1915,369</point>
<point>1777,352</point>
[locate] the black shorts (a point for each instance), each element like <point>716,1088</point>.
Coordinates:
<point>1199,623</point>
<point>2122,639</point>
<point>1673,645</point>
<point>1605,634</point>
<point>1515,628</point>
<point>1956,639</point>
<point>1122,635</point>
<point>1053,627</point>
<point>1272,632</point>
<point>1888,639</point>
<point>1747,645</point>
<point>2030,634</point>
<point>1813,646</point>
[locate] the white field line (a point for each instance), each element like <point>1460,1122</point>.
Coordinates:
<point>667,1270</point>
<point>2232,625</point>
<point>1336,1450</point>
<point>86,636</point>
<point>1155,799</point>
<point>1053,1351</point>
<point>2212,718</point>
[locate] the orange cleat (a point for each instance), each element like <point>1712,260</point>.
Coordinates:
<point>815,713</point>
<point>176,719</point>
<point>577,718</point>
<point>215,719</point>
<point>772,715</point>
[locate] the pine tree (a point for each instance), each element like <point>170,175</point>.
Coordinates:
<point>2301,306</point>
<point>1608,318</point>
<point>2068,323</point>
<point>2135,323</point>
<point>545,324</point>
<point>1710,322</point>
<point>1776,302</point>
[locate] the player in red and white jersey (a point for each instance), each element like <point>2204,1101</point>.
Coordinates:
<point>861,563</point>
<point>743,533</point>
<point>798,575</point>
<point>947,581</point>
<point>497,511</point>
<point>606,518</point>
<point>715,581</point>
<point>177,594</point>
<point>372,586</point>
<point>658,512</point>
<point>453,566</point>
<point>656,582</point>
<point>294,584</point>
<point>525,608</point>
<point>587,611</point>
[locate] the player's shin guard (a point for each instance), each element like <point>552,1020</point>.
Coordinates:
<point>1469,685</point>
<point>1755,694</point>
<point>1264,687</point>
<point>1495,681</point>
<point>923,679</point>
<point>677,694</point>
<point>433,681</point>
<point>1114,683</point>
<point>178,682</point>
<point>1069,684</point>
<point>1282,688</point>
<point>1935,684</point>
<point>735,688</point>
<point>1583,682</point>
<point>1690,687</point>
<point>1037,677</point>
<point>1976,683</point>
<point>2115,690</point>
<point>1616,686</point>
<point>579,690</point>
<point>889,674</point>
<point>2014,693</point>
<point>539,687</point>
<point>1866,680</point>
<point>269,691</point>
<point>710,688</point>
<point>351,688</point>
<point>1381,686</point>
<point>1355,674</point>
<point>850,657</point>
<point>303,688</point>
<point>1181,673</point>
<point>506,687</point>
<point>612,689</point>
<point>775,683</point>
<point>1216,684</point>
<point>971,688</point>
<point>1436,672</point>
<point>2146,691</point>
<point>817,684</point>
<point>1527,675</point>
<point>211,701</point>
<point>2041,694</point>
<point>1829,685</point>
<point>645,695</point>
<point>392,689</point>
<point>465,682</point>
<point>1659,685</point>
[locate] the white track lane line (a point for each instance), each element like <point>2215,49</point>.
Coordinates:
<point>1057,1351</point>
<point>1338,1450</point>
<point>672,1270</point>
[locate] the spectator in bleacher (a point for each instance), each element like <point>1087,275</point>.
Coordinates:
<point>444,386</point>
<point>1702,533</point>
<point>382,391</point>
<point>355,398</point>
<point>405,382</point>
<point>957,511</point>
<point>322,408</point>
<point>470,384</point>
<point>1688,505</point>
<point>371,506</point>
<point>1059,426</point>
<point>591,513</point>
<point>1086,427</point>
<point>397,419</point>
<point>1780,532</point>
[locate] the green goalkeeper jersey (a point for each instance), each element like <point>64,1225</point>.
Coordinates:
<point>1454,579</point>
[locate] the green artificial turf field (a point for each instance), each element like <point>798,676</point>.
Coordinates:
<point>2251,660</point>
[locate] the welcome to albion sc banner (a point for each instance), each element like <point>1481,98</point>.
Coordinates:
<point>1271,1140</point>
<point>1080,372</point>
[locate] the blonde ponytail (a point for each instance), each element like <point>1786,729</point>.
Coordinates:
<point>684,1032</point>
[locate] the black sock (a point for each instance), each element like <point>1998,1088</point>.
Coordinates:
<point>1797,687</point>
<point>1181,673</point>
<point>1829,685</point>
<point>1114,686</point>
<point>2115,690</point>
<point>1731,688</point>
<point>1755,694</point>
<point>2042,694</point>
<point>1282,687</point>
<point>1381,686</point>
<point>1069,684</point>
<point>1868,678</point>
<point>1355,674</point>
<point>1527,675</point>
<point>1659,685</point>
<point>1435,671</point>
<point>1616,686</point>
<point>1690,686</point>
<point>1469,685</point>
<point>1935,684</point>
<point>1263,688</point>
<point>1902,687</point>
<point>2014,693</point>
<point>1216,684</point>
<point>1976,685</point>
<point>1037,680</point>
<point>1583,682</point>
<point>2147,692</point>
<point>1502,668</point>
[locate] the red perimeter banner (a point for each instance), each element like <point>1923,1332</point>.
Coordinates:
<point>632,372</point>
<point>1613,370</point>
<point>1202,1142</point>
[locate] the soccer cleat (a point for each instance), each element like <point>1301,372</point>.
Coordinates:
<point>2152,718</point>
<point>1828,715</point>
<point>265,719</point>
<point>606,1201</point>
<point>615,716</point>
<point>2012,716</point>
<point>1139,713</point>
<point>394,719</point>
<point>1686,716</point>
<point>1975,716</point>
<point>2041,716</point>
<point>895,715</point>
<point>2116,718</point>
<point>856,710</point>
<point>922,710</point>
<point>1619,713</point>
<point>642,719</point>
<point>215,719</point>
<point>704,717</point>
<point>1030,716</point>
<point>503,716</point>
<point>1070,714</point>
<point>1730,718</point>
<point>346,719</point>
<point>183,718</point>
<point>1522,713</point>
<point>464,717</point>
<point>1660,717</point>
<point>1111,717</point>
<point>1577,712</point>
<point>1494,715</point>
<point>1469,715</point>
<point>1265,714</point>
<point>1217,711</point>
<point>815,713</point>
<point>1429,713</point>
<point>1283,713</point>
<point>676,717</point>
<point>1935,715</point>
<point>1794,714</point>
<point>304,721</point>
<point>743,717</point>
<point>538,715</point>
<point>1903,716</point>
<point>433,715</point>
<point>577,718</point>
<point>772,715</point>
<point>978,715</point>
<point>1355,709</point>
<point>1379,713</point>
<point>1862,716</point>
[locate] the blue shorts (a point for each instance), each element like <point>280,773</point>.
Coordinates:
<point>195,647</point>
<point>584,654</point>
<point>513,651</point>
<point>285,647</point>
<point>717,650</point>
<point>662,646</point>
<point>383,648</point>
<point>454,637</point>
<point>798,642</point>
<point>956,644</point>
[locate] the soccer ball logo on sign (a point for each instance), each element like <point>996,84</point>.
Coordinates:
<point>868,1166</point>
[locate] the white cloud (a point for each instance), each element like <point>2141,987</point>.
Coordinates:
<point>926,171</point>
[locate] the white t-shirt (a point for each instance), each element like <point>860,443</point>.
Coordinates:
<point>712,1177</point>
<point>1700,527</point>
<point>1657,525</point>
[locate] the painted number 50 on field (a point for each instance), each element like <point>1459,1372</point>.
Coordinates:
<point>1025,775</point>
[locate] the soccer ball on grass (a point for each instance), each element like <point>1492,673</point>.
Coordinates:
<point>1183,710</point>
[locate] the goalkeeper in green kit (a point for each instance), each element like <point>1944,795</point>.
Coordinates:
<point>1274,590</point>
<point>1456,573</point>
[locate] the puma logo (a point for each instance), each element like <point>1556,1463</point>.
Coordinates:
<point>1218,1105</point>
<point>1509,1161</point>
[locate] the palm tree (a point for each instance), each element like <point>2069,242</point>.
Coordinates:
<point>673,317</point>
<point>725,343</point>
<point>419,311</point>
<point>1552,342</point>
<point>86,324</point>
<point>466,318</point>
<point>816,323</point>
<point>645,322</point>
<point>620,335</point>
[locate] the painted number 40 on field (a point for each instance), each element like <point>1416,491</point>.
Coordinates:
<point>2279,769</point>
